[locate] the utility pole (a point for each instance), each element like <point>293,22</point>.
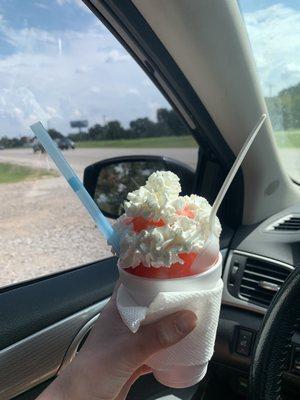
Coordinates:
<point>270,89</point>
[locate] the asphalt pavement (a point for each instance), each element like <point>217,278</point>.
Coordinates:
<point>80,158</point>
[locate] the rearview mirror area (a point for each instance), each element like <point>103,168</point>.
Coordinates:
<point>115,181</point>
<point>109,181</point>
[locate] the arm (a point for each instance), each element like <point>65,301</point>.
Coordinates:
<point>112,357</point>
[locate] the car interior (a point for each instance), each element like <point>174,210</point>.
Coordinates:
<point>198,54</point>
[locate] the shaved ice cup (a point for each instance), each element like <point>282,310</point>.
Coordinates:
<point>181,368</point>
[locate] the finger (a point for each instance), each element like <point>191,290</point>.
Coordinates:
<point>160,334</point>
<point>143,370</point>
<point>114,294</point>
<point>112,301</point>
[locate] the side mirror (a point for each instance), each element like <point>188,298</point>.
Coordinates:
<point>109,181</point>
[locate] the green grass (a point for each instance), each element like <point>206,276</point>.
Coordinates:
<point>285,139</point>
<point>163,141</point>
<point>12,173</point>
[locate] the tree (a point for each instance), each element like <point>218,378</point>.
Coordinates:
<point>96,132</point>
<point>9,143</point>
<point>284,109</point>
<point>114,130</point>
<point>275,112</point>
<point>170,122</point>
<point>142,127</point>
<point>290,100</point>
<point>77,137</point>
<point>54,134</point>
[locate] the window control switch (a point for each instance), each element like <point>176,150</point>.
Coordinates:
<point>296,361</point>
<point>244,342</point>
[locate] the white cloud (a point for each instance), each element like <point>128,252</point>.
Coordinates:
<point>51,111</point>
<point>42,6</point>
<point>76,113</point>
<point>274,35</point>
<point>78,3</point>
<point>153,107</point>
<point>19,109</point>
<point>146,82</point>
<point>81,69</point>
<point>95,89</point>
<point>116,56</point>
<point>133,91</point>
<point>61,75</point>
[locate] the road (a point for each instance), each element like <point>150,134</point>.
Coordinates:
<point>44,227</point>
<point>80,158</point>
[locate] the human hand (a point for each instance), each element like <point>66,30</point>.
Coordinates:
<point>113,357</point>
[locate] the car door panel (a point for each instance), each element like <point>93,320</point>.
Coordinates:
<point>31,307</point>
<point>61,308</point>
<point>33,393</point>
<point>38,357</point>
<point>41,319</point>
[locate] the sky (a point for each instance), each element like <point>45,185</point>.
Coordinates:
<point>274,32</point>
<point>59,63</point>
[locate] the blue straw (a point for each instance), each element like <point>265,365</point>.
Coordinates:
<point>67,171</point>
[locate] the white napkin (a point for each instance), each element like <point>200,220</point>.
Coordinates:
<point>196,348</point>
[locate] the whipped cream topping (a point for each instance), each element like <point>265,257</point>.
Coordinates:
<point>183,223</point>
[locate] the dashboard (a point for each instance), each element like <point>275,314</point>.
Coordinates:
<point>260,259</point>
<point>256,262</point>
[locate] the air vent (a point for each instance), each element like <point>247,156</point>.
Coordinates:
<point>289,223</point>
<point>261,280</point>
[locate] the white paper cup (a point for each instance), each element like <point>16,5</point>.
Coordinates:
<point>181,377</point>
<point>144,290</point>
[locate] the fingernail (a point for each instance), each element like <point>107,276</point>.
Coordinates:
<point>186,322</point>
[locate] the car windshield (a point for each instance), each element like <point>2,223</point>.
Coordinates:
<point>274,31</point>
<point>60,65</point>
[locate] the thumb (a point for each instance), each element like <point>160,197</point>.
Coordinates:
<point>163,333</point>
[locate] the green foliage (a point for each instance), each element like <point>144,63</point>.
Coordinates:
<point>171,122</point>
<point>117,180</point>
<point>286,139</point>
<point>152,142</point>
<point>114,130</point>
<point>284,109</point>
<point>168,124</point>
<point>141,128</point>
<point>55,134</point>
<point>11,143</point>
<point>11,173</point>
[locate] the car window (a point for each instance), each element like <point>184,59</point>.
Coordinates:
<point>274,31</point>
<point>60,65</point>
